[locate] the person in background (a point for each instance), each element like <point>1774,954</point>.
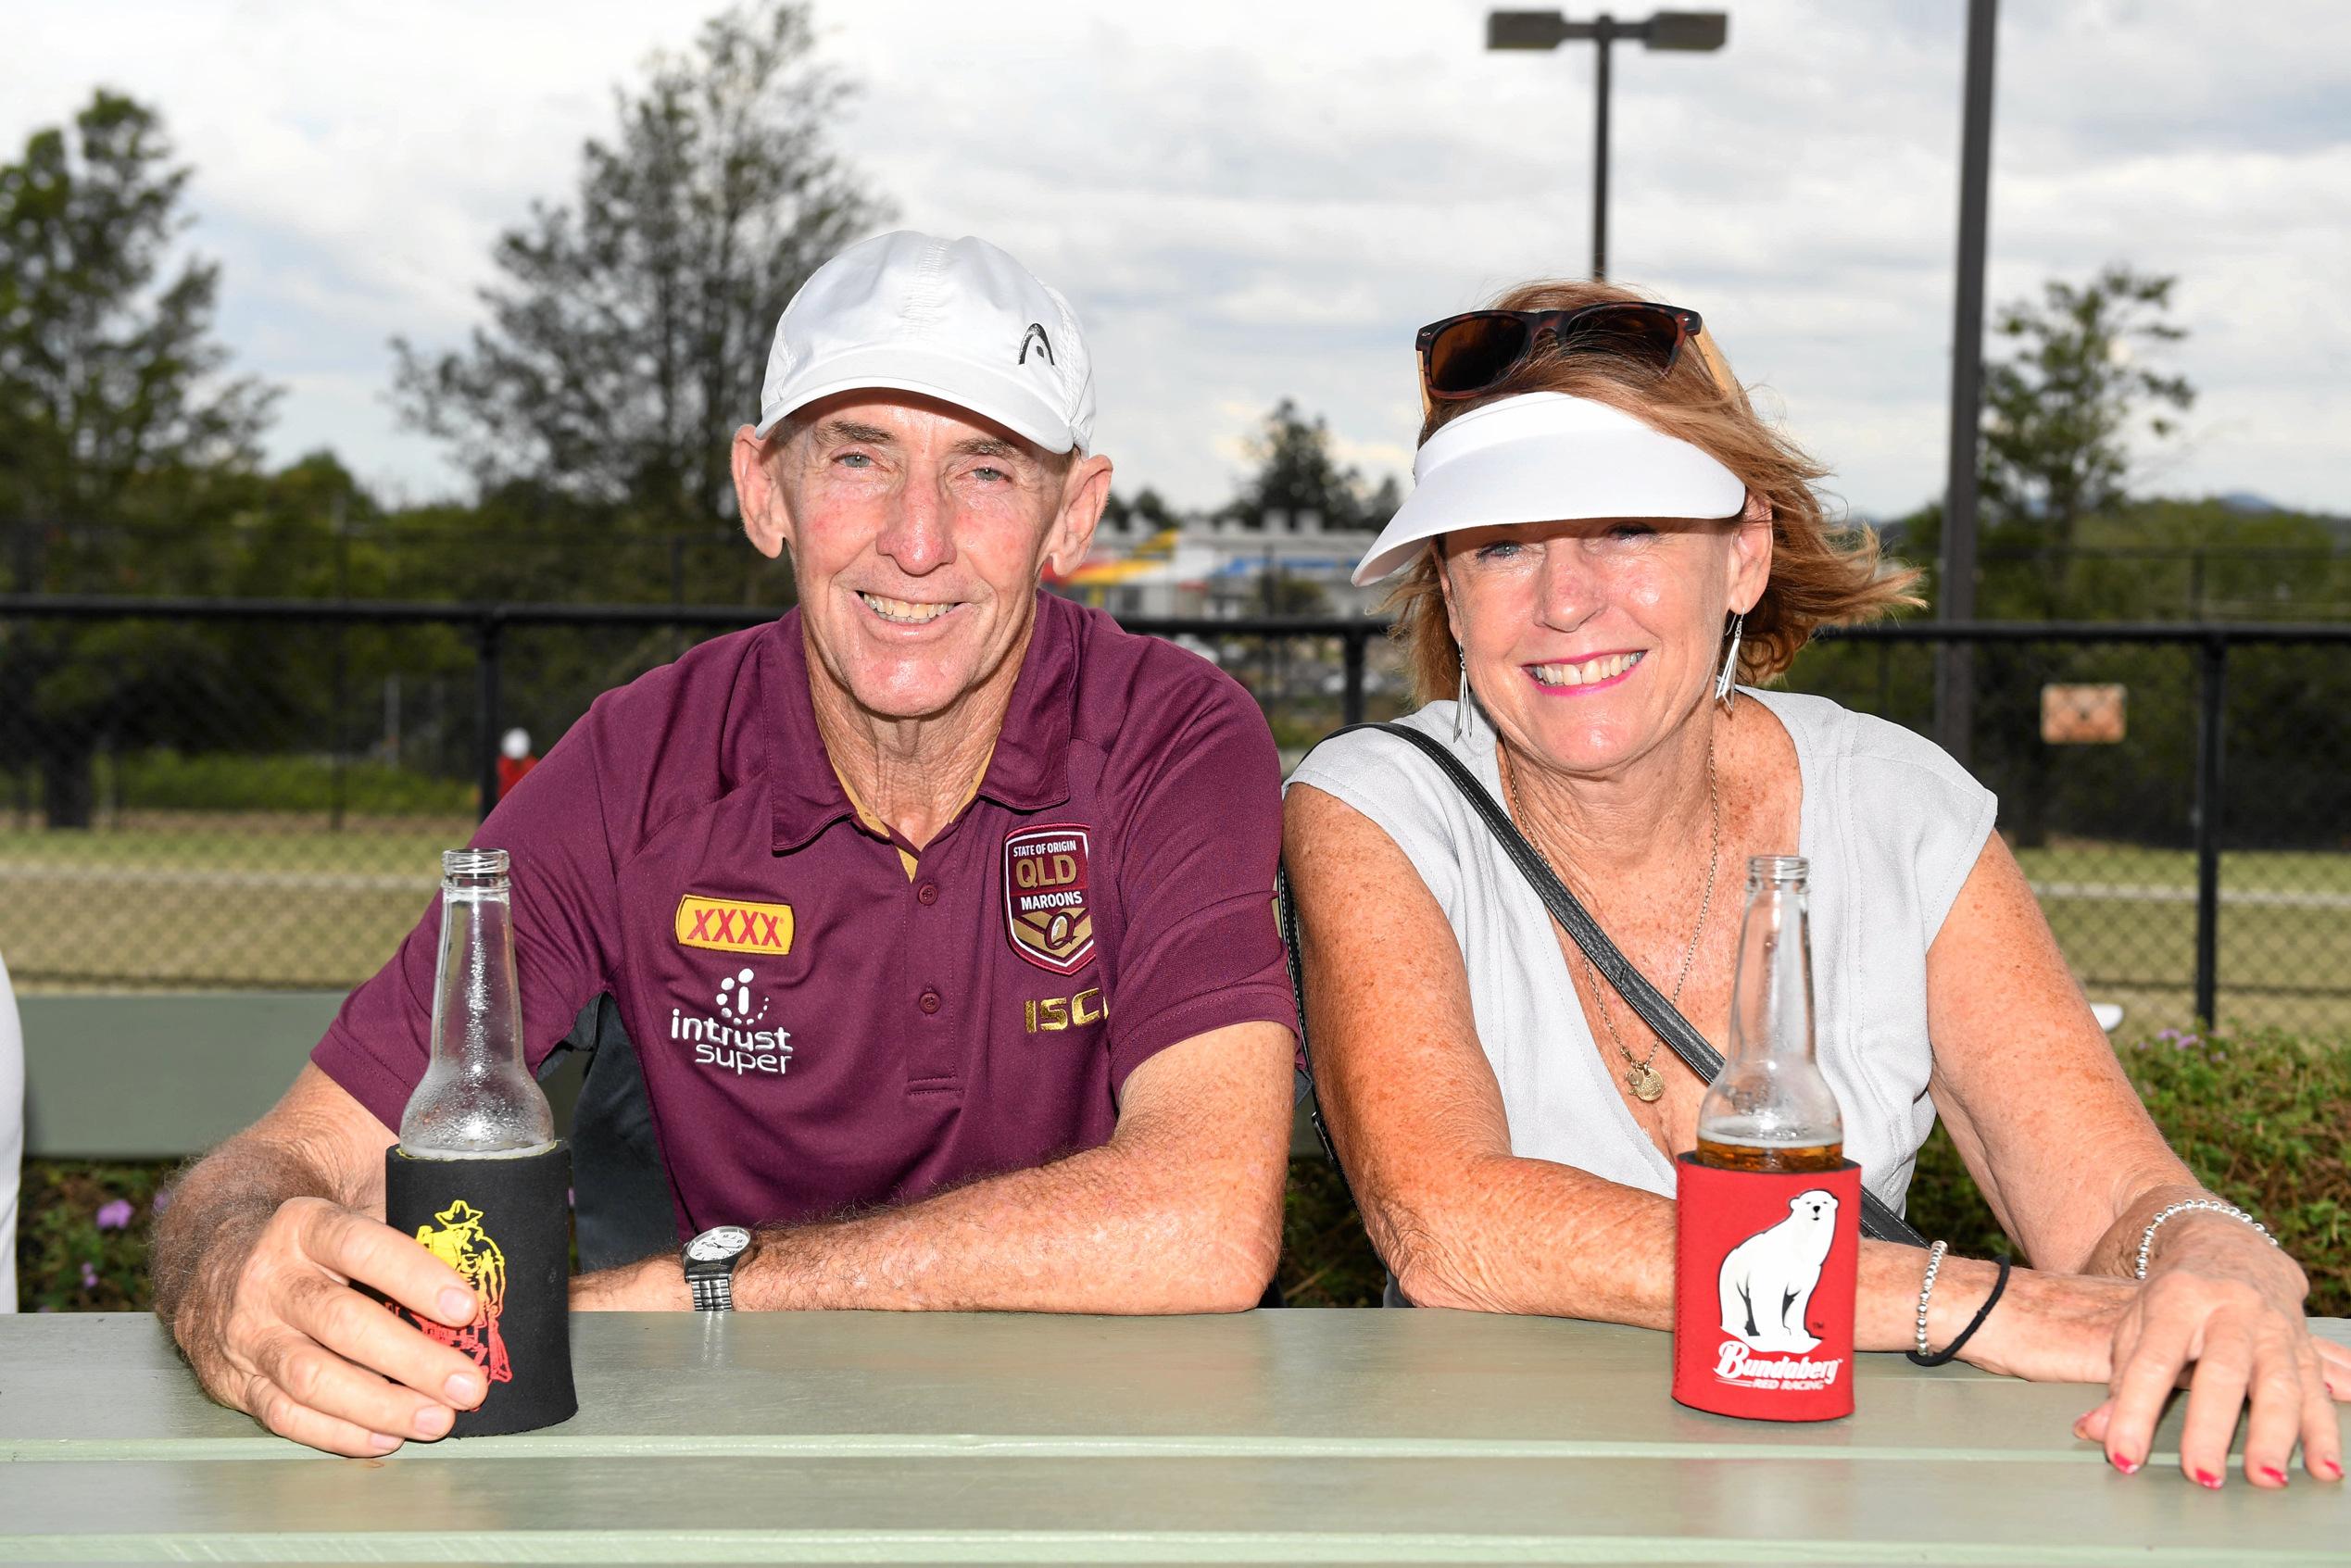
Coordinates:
<point>1603,541</point>
<point>515,761</point>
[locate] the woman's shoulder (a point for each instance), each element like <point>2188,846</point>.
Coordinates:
<point>1369,761</point>
<point>1874,755</point>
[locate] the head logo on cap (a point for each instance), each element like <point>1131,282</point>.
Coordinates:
<point>911,312</point>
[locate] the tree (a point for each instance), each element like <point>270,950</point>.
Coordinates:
<point>2061,410</point>
<point>1298,472</point>
<point>628,330</point>
<point>115,419</point>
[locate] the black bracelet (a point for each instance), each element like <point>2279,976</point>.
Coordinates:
<point>1973,1323</point>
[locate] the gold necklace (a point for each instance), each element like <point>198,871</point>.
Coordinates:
<point>1641,1077</point>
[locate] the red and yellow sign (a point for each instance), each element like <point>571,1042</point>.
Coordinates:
<point>461,1242</point>
<point>732,925</point>
<point>1046,909</point>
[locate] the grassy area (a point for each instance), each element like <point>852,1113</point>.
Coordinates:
<point>203,900</point>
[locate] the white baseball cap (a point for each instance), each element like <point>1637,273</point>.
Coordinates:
<point>1545,457</point>
<point>956,319</point>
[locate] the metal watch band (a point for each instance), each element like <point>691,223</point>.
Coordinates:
<point>713,1293</point>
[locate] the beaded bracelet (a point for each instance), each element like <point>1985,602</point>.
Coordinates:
<point>1948,1351</point>
<point>2146,1238</point>
<point>1934,1264</point>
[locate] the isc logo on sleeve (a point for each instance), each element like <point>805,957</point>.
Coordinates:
<point>731,925</point>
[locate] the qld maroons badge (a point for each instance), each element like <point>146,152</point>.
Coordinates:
<point>1048,912</point>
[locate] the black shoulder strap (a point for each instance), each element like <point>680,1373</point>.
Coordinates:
<point>1878,1220</point>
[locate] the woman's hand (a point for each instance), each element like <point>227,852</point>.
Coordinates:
<point>2223,1309</point>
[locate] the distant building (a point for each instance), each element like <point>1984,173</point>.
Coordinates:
<point>1223,568</point>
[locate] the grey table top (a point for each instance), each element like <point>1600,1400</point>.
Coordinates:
<point>1269,1436</point>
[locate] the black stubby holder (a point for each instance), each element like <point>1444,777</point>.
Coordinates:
<point>504,1224</point>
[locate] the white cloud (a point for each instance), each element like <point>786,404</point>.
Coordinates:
<point>1248,202</point>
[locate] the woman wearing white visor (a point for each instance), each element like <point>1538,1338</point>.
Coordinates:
<point>1604,538</point>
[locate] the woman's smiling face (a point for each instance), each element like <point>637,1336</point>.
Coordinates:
<point>1588,641</point>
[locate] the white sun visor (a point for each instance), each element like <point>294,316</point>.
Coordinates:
<point>1544,457</point>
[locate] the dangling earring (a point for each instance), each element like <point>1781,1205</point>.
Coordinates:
<point>1723,690</point>
<point>1462,702</point>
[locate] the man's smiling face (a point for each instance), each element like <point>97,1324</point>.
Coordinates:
<point>919,532</point>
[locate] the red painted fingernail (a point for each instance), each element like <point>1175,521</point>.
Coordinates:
<point>2125,1463</point>
<point>2331,1470</point>
<point>2205,1478</point>
<point>2275,1476</point>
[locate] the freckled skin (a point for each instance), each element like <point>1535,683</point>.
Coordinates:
<point>1613,783</point>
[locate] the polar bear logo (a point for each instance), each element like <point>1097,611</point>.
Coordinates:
<point>1768,1279</point>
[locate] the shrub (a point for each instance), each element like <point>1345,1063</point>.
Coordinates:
<point>213,781</point>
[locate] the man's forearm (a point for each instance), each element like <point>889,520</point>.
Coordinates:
<point>1103,1231</point>
<point>218,1207</point>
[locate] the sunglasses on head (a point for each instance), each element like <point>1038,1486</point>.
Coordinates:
<point>1462,356</point>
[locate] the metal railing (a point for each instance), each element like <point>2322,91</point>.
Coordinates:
<point>2103,832</point>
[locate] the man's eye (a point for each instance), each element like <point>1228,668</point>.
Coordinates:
<point>990,476</point>
<point>855,460</point>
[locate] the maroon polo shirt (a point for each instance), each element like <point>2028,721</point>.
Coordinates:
<point>818,1028</point>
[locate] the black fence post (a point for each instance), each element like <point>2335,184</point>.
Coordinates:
<point>1351,703</point>
<point>488,636</point>
<point>2211,775</point>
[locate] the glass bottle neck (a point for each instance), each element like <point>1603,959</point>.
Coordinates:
<point>1771,996</point>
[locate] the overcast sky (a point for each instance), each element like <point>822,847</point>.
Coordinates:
<point>1247,200</point>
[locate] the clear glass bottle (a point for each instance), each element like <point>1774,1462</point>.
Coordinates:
<point>1770,1109</point>
<point>477,1100</point>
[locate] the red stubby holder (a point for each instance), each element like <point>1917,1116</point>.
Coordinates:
<point>1764,1274</point>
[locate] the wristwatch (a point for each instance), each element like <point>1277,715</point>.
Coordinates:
<point>710,1266</point>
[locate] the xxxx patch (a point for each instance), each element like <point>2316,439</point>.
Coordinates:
<point>732,925</point>
<point>1047,912</point>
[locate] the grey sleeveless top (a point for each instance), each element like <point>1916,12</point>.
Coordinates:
<point>1891,826</point>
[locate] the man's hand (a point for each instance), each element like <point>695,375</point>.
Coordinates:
<point>278,1331</point>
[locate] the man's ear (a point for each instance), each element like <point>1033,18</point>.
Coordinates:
<point>767,519</point>
<point>1751,554</point>
<point>1085,491</point>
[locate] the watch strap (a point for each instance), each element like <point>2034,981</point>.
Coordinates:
<point>714,1292</point>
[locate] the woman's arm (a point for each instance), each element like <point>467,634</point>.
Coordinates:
<point>1418,1121</point>
<point>2040,1110</point>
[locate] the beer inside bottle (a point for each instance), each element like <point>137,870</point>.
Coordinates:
<point>477,1100</point>
<point>1770,1109</point>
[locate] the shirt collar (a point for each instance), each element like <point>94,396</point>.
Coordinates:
<point>1028,772</point>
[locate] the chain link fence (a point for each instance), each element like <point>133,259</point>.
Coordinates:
<point>248,795</point>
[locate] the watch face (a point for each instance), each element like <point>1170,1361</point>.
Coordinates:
<point>717,1246</point>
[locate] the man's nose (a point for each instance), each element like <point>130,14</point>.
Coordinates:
<point>920,536</point>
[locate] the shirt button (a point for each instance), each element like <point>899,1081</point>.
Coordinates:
<point>927,892</point>
<point>928,1002</point>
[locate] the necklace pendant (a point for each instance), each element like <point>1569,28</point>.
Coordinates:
<point>1645,1082</point>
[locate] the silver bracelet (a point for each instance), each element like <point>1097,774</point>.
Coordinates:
<point>2146,1238</point>
<point>1934,1266</point>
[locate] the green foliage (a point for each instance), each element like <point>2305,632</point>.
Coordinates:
<point>65,1262</point>
<point>1298,472</point>
<point>109,375</point>
<point>628,329</point>
<point>169,779</point>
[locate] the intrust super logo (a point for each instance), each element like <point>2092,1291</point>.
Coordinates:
<point>731,1039</point>
<point>733,926</point>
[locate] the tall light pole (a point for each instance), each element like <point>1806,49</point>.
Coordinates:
<point>1954,662</point>
<point>1689,31</point>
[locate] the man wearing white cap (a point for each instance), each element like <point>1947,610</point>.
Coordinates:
<point>938,911</point>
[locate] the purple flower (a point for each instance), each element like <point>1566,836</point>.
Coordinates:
<point>161,1200</point>
<point>89,1275</point>
<point>114,1216</point>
